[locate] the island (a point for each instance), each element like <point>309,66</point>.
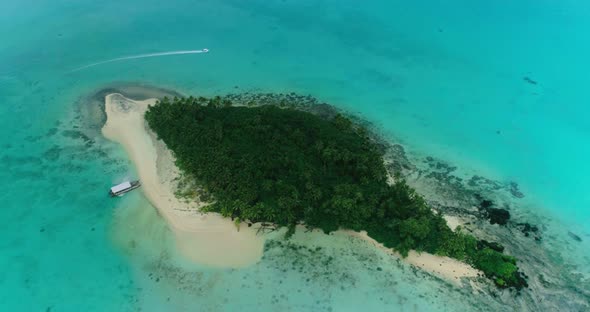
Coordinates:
<point>288,167</point>
<point>245,167</point>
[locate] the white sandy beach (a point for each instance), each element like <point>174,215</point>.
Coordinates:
<point>210,239</point>
<point>207,239</point>
<point>445,268</point>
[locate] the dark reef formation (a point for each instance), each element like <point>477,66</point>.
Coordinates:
<point>498,216</point>
<point>529,230</point>
<point>495,215</point>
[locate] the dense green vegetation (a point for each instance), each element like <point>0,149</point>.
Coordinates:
<point>286,166</point>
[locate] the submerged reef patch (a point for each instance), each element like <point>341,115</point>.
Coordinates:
<point>495,215</point>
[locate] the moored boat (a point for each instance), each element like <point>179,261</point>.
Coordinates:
<point>122,188</point>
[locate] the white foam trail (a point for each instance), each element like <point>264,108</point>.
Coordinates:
<point>141,56</point>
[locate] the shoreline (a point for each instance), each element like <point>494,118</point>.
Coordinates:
<point>197,235</point>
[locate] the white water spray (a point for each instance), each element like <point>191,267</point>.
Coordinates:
<point>132,57</point>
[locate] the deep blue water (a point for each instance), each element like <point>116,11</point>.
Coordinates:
<point>497,88</point>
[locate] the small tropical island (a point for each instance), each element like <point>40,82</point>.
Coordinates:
<point>276,164</point>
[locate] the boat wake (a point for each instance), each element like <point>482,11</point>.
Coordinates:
<point>139,56</point>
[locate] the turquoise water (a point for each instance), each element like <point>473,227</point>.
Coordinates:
<point>446,79</point>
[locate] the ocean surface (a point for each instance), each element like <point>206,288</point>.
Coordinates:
<point>497,88</point>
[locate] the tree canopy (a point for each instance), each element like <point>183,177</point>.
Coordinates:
<point>285,166</point>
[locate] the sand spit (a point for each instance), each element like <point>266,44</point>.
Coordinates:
<point>207,239</point>
<point>446,268</point>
